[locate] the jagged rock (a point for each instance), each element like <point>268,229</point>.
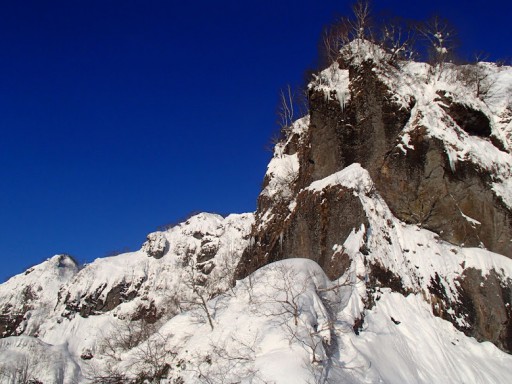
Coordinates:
<point>97,302</point>
<point>209,248</point>
<point>483,309</point>
<point>420,187</point>
<point>415,169</point>
<point>25,298</point>
<point>319,221</point>
<point>156,245</point>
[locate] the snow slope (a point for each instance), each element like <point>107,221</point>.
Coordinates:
<point>70,310</point>
<point>287,324</point>
<point>172,313</point>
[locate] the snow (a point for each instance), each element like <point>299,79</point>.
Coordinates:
<point>287,322</point>
<point>263,342</point>
<point>333,82</point>
<point>423,348</point>
<point>353,177</point>
<point>28,358</point>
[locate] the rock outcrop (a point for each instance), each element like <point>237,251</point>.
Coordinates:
<point>430,150</point>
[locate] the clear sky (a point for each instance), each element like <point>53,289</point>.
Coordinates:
<point>117,117</point>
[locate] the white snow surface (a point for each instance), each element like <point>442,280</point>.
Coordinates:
<point>286,324</point>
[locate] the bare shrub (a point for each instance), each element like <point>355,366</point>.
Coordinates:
<point>140,342</point>
<point>440,38</point>
<point>24,372</point>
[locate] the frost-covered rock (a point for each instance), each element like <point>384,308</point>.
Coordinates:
<point>393,149</point>
<point>380,252</point>
<point>156,245</point>
<point>26,300</point>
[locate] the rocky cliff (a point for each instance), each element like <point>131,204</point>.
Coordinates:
<point>434,153</point>
<point>383,235</point>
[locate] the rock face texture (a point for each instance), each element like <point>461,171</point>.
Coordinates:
<point>436,157</point>
<point>145,284</point>
<point>26,299</point>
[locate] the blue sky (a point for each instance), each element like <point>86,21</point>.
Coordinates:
<point>117,117</point>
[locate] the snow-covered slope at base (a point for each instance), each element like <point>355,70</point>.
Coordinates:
<point>25,359</point>
<point>404,343</point>
<point>284,324</point>
<point>287,323</point>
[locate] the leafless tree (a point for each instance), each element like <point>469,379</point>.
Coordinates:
<point>334,38</point>
<point>476,76</point>
<point>286,109</point>
<point>361,21</point>
<point>398,41</point>
<point>340,34</point>
<point>228,361</point>
<point>147,350</point>
<point>196,283</point>
<point>440,37</point>
<point>24,372</point>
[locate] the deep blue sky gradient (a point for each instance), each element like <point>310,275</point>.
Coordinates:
<point>117,117</point>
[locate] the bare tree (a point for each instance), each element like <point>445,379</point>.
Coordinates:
<point>440,37</point>
<point>334,38</point>
<point>361,21</point>
<point>196,282</point>
<point>397,40</point>
<point>477,77</point>
<point>286,112</point>
<point>23,372</point>
<point>140,342</point>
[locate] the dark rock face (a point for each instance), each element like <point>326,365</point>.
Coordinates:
<point>362,132</point>
<point>421,188</point>
<point>483,309</point>
<point>472,121</point>
<point>10,322</point>
<point>209,248</point>
<point>419,184</point>
<point>93,303</point>
<point>487,293</point>
<point>319,221</point>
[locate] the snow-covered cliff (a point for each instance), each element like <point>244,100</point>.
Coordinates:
<point>380,252</point>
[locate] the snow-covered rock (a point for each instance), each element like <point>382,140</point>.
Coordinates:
<point>381,251</point>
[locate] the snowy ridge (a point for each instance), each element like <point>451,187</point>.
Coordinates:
<point>33,294</point>
<point>72,310</point>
